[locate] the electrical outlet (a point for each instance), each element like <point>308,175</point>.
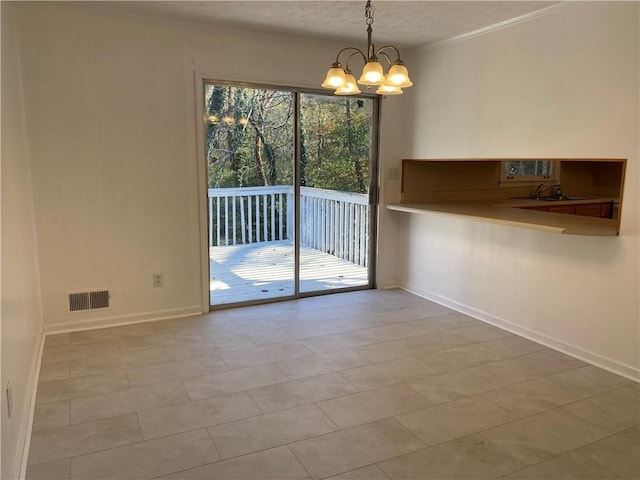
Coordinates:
<point>9,399</point>
<point>158,280</point>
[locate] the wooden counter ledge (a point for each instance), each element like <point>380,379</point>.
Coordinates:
<point>504,212</point>
<point>487,190</point>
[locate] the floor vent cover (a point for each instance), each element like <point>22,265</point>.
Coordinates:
<point>93,300</point>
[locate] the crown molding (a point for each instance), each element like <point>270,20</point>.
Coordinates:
<point>498,26</point>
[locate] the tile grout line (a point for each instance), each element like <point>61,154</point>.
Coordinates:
<point>338,372</point>
<point>298,460</point>
<point>553,457</point>
<point>327,416</point>
<point>404,383</point>
<point>482,394</point>
<point>256,404</point>
<point>600,440</point>
<point>100,450</point>
<point>215,447</point>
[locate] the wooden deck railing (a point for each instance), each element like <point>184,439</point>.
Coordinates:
<point>333,222</point>
<point>249,214</point>
<point>336,223</point>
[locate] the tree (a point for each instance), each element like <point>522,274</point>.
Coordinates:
<point>249,133</point>
<point>337,137</point>
<point>250,139</point>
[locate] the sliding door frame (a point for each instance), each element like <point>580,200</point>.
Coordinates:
<point>201,80</point>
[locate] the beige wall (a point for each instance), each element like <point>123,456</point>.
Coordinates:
<point>561,85</point>
<point>112,122</point>
<point>105,190</point>
<point>20,312</point>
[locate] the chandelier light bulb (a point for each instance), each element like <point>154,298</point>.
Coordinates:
<point>335,77</point>
<point>350,87</point>
<point>372,74</point>
<point>399,76</point>
<point>386,89</point>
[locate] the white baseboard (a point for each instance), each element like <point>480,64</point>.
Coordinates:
<point>576,351</point>
<point>118,320</point>
<point>388,285</point>
<point>19,466</point>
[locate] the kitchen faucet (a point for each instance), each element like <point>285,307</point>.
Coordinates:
<point>543,187</point>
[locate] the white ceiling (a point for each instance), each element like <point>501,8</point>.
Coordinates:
<point>403,23</point>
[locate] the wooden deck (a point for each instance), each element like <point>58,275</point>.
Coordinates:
<point>241,273</point>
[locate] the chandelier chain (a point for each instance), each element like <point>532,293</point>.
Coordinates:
<point>368,13</point>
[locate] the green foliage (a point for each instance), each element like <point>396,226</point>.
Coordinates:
<point>249,133</point>
<point>337,132</point>
<point>250,139</point>
<point>528,168</point>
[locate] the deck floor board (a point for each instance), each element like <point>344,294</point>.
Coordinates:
<point>241,273</point>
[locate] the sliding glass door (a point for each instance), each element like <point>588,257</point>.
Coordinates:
<point>289,175</point>
<point>250,148</point>
<point>335,165</point>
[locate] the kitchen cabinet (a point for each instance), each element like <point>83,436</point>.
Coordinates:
<point>562,209</point>
<point>606,210</point>
<point>590,210</point>
<point>602,210</point>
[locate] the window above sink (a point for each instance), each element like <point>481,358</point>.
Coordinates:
<point>518,172</point>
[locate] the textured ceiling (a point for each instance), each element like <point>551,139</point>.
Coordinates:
<point>403,23</point>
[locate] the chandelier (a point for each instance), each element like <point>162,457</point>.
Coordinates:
<point>391,83</point>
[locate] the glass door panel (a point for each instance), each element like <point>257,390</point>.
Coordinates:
<point>250,152</point>
<point>336,146</point>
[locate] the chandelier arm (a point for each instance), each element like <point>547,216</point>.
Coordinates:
<point>357,50</point>
<point>383,54</point>
<point>392,47</point>
<point>346,66</point>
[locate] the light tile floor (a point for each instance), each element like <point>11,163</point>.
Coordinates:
<point>364,385</point>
